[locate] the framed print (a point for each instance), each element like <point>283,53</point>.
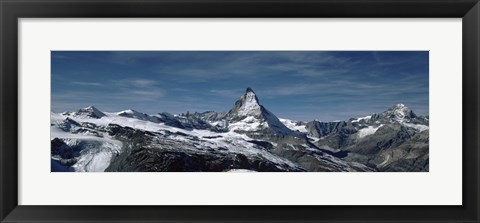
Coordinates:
<point>249,137</point>
<point>239,111</point>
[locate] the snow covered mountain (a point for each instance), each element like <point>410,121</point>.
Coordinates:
<point>88,112</point>
<point>248,115</point>
<point>393,140</point>
<point>248,137</point>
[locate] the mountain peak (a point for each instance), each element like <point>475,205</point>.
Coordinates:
<point>250,115</point>
<point>251,96</point>
<point>400,105</point>
<point>400,112</point>
<point>247,105</point>
<point>90,111</point>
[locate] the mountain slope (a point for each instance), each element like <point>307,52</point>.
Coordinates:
<point>368,139</point>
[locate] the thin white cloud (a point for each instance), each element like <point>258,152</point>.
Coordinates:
<point>139,82</point>
<point>87,83</point>
<point>156,94</point>
<point>227,92</point>
<point>142,82</point>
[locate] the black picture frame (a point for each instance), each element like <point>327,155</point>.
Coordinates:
<point>12,10</point>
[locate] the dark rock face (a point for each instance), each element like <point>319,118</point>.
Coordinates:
<point>60,148</point>
<point>209,116</point>
<point>169,119</point>
<point>67,155</point>
<point>158,160</point>
<point>385,137</point>
<point>412,155</point>
<point>190,121</point>
<point>67,124</point>
<point>263,144</point>
<point>321,129</point>
<point>336,133</point>
<point>172,156</point>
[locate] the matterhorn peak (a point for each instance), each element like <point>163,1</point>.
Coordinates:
<point>248,111</point>
<point>247,105</point>
<point>251,96</point>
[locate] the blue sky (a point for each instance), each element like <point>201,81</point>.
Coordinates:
<point>299,85</point>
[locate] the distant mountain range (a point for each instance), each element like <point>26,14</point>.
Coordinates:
<point>247,138</point>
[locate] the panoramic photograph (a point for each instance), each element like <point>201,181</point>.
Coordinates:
<point>239,111</point>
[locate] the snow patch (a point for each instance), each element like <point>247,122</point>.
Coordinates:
<point>362,118</point>
<point>293,125</point>
<point>370,130</point>
<point>313,139</point>
<point>249,123</point>
<point>418,127</point>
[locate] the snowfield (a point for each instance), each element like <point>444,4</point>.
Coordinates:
<point>418,127</point>
<point>96,160</point>
<point>362,118</point>
<point>293,125</point>
<point>96,152</point>
<point>370,130</point>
